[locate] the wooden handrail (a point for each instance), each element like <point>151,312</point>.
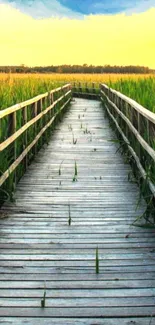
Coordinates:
<point>46,116</point>
<point>26,151</point>
<point>113,102</point>
<point>139,108</point>
<point>143,143</point>
<point>16,135</point>
<point>28,102</point>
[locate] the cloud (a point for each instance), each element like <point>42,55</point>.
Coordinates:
<point>141,6</point>
<point>42,8</point>
<point>78,8</point>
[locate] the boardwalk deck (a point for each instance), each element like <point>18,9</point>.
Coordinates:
<point>39,249</point>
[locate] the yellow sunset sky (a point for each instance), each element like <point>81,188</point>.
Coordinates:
<point>102,39</point>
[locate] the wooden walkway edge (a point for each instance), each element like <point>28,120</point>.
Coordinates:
<point>80,179</point>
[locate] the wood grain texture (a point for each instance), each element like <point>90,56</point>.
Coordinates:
<point>78,321</point>
<point>39,249</point>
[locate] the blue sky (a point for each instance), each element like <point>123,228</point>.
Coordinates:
<point>87,7</point>
<point>78,8</point>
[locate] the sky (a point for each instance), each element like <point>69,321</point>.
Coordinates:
<point>99,32</point>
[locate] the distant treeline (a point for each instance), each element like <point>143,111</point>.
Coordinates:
<point>76,69</point>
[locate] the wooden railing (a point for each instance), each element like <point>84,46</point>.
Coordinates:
<point>136,126</point>
<point>24,128</point>
<point>86,89</point>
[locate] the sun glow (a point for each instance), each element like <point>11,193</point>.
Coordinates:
<point>114,39</point>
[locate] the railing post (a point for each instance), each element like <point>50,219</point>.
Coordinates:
<point>139,130</point>
<point>148,131</point>
<point>121,109</point>
<point>40,108</point>
<point>127,115</point>
<point>35,125</point>
<point>25,160</point>
<point>74,85</point>
<point>52,110</point>
<point>80,87</point>
<point>11,130</point>
<point>49,104</point>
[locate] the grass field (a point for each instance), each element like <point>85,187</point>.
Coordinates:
<point>142,90</point>
<point>15,88</point>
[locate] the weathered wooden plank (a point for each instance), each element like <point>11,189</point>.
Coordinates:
<point>110,276</point>
<point>60,238</point>
<point>71,269</point>
<point>61,222</point>
<point>96,284</point>
<point>78,321</point>
<point>118,247</point>
<point>53,240</point>
<point>28,251</point>
<point>65,256</point>
<point>100,312</point>
<point>78,302</point>
<point>77,230</point>
<point>75,264</point>
<point>71,293</point>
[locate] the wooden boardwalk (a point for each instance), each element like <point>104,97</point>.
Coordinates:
<point>39,249</point>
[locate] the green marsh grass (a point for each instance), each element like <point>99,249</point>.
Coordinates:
<point>75,169</point>
<point>141,90</point>
<point>75,172</point>
<point>97,261</point>
<point>43,300</point>
<point>60,167</point>
<point>74,140</point>
<point>69,215</point>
